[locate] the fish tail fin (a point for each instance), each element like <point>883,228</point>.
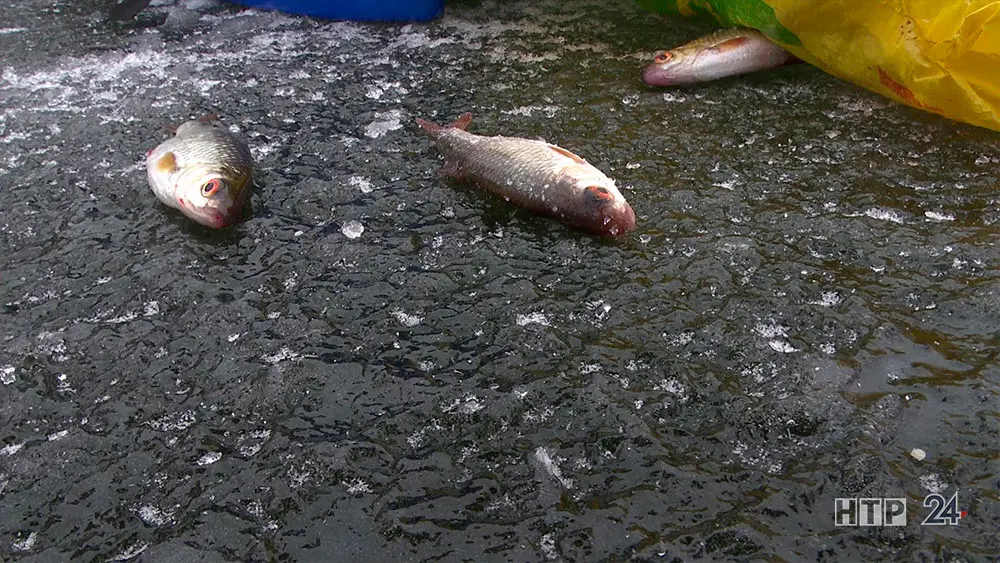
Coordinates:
<point>433,128</point>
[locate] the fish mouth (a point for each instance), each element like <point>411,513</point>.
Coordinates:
<point>664,75</point>
<point>212,217</point>
<point>618,220</point>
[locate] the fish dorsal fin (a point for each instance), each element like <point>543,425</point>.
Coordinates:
<point>730,44</point>
<point>210,118</point>
<point>575,158</point>
<point>166,164</point>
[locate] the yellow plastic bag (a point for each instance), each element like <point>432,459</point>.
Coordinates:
<point>937,55</point>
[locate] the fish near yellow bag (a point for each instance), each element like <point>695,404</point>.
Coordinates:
<point>939,56</point>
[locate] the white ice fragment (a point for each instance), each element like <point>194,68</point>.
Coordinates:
<point>782,346</point>
<point>357,487</point>
<point>58,435</point>
<point>771,331</point>
<point>385,122</point>
<point>11,449</point>
<point>547,545</point>
<point>130,552</point>
<point>938,217</point>
<point>209,458</point>
<point>884,215</point>
<point>828,299</point>
<point>537,317</point>
<point>918,454</point>
<point>7,375</point>
<point>543,457</point>
<point>173,421</point>
<point>352,229</point>
<point>153,516</point>
<point>932,483</point>
<point>26,544</point>
<point>233,337</point>
<point>151,308</point>
<point>406,319</point>
<point>527,111</point>
<point>465,405</point>
<point>362,183</point>
<point>285,353</point>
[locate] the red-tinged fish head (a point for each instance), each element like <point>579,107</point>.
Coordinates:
<point>670,68</point>
<point>604,211</point>
<point>213,199</point>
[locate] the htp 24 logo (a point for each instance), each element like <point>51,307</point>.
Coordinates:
<point>892,511</point>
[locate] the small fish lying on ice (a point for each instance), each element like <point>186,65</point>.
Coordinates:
<point>717,55</point>
<point>204,170</point>
<point>541,177</point>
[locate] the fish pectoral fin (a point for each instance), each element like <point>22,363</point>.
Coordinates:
<point>451,169</point>
<point>167,164</point>
<point>575,158</point>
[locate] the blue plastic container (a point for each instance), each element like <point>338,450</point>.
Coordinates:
<point>358,10</point>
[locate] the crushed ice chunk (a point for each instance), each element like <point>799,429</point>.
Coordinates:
<point>932,483</point>
<point>11,449</point>
<point>885,215</point>
<point>782,346</point>
<point>918,454</point>
<point>828,299</point>
<point>406,319</point>
<point>362,183</point>
<point>537,317</point>
<point>209,458</point>
<point>357,487</point>
<point>173,421</point>
<point>939,217</point>
<point>385,122</point>
<point>7,375</point>
<point>26,544</point>
<point>352,229</point>
<point>130,551</point>
<point>545,458</point>
<point>771,330</point>
<point>153,516</point>
<point>285,353</point>
<point>465,405</point>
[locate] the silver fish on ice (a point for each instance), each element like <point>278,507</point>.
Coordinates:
<point>204,170</point>
<point>538,176</point>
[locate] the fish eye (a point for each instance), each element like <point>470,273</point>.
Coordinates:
<point>663,57</point>
<point>211,187</point>
<point>600,194</point>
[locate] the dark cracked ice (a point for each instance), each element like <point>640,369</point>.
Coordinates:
<point>380,364</point>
